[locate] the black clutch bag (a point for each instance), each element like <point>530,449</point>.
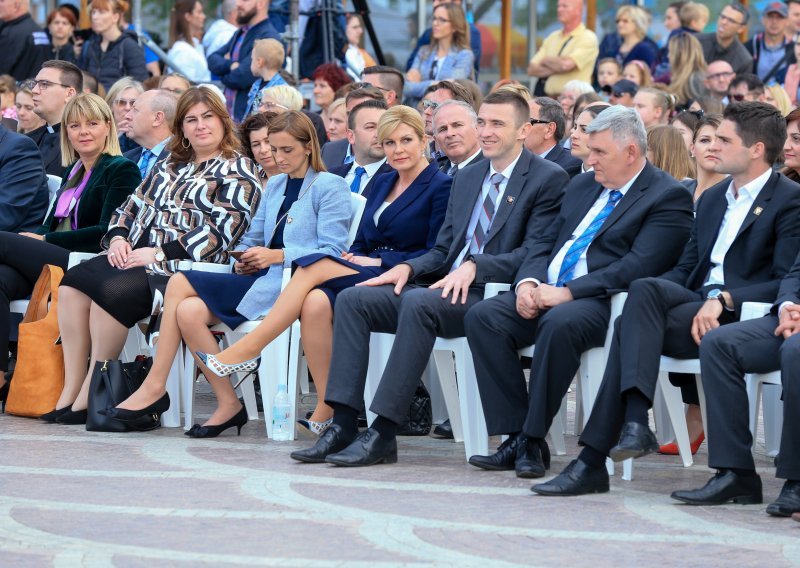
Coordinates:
<point>112,382</point>
<point>420,414</point>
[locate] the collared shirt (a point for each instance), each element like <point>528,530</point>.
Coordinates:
<point>153,158</point>
<point>731,223</point>
<point>543,155</point>
<point>369,171</point>
<point>468,161</point>
<point>580,45</point>
<point>476,209</point>
<point>581,268</point>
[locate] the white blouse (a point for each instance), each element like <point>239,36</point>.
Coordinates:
<point>191,60</point>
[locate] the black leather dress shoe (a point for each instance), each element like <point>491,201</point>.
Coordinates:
<point>635,441</point>
<point>331,441</point>
<point>502,460</point>
<point>444,430</point>
<point>369,448</point>
<point>724,487</point>
<point>576,479</point>
<point>788,502</point>
<point>533,457</point>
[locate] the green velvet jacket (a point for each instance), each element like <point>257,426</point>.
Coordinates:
<point>113,179</point>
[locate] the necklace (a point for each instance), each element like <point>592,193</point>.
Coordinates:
<point>174,190</point>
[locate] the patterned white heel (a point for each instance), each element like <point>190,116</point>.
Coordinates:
<point>223,370</point>
<point>316,427</point>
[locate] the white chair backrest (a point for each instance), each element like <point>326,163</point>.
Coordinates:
<point>75,258</point>
<point>357,204</point>
<point>53,183</point>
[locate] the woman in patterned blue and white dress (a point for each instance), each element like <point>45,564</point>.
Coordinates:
<point>195,205</point>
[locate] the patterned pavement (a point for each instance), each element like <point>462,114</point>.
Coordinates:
<point>74,498</point>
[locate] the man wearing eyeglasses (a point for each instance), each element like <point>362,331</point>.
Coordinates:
<point>24,45</point>
<point>548,125</point>
<point>724,44</point>
<point>746,87</point>
<point>55,84</point>
<point>719,75</point>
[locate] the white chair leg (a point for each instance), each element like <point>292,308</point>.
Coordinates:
<point>380,345</point>
<point>298,370</point>
<point>664,432</point>
<point>557,431</point>
<point>476,436</point>
<point>444,363</point>
<point>305,386</point>
<point>434,385</point>
<point>753,392</point>
<point>627,469</point>
<point>674,404</point>
<point>187,391</point>
<point>248,391</point>
<point>172,417</point>
<point>773,417</point>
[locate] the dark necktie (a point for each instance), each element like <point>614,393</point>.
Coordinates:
<point>486,215</point>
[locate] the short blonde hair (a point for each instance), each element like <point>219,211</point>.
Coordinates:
<point>87,106</point>
<point>639,17</point>
<point>781,98</point>
<point>396,116</point>
<point>335,105</point>
<point>271,51</point>
<point>692,12</point>
<point>518,88</point>
<point>285,95</point>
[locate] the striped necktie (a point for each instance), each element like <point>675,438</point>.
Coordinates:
<point>144,162</point>
<point>565,274</point>
<point>486,215</point>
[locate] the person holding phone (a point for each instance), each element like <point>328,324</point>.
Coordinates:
<point>305,210</point>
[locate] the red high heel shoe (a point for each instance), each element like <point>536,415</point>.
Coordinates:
<point>671,449</point>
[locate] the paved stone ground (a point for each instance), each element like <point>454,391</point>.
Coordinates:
<point>74,498</point>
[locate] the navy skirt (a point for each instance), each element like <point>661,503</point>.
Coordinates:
<point>222,292</point>
<point>332,287</point>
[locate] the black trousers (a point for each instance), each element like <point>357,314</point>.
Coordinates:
<point>726,354</point>
<point>656,320</point>
<point>496,332</point>
<point>417,316</point>
<point>21,263</point>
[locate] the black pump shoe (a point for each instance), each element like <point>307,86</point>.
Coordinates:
<point>212,431</point>
<point>73,417</point>
<point>52,416</point>
<point>124,415</point>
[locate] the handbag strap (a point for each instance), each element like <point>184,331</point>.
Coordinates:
<point>45,290</point>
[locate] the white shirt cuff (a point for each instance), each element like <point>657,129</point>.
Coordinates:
<point>534,280</point>
<point>783,305</point>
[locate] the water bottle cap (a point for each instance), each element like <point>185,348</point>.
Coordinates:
<point>281,388</point>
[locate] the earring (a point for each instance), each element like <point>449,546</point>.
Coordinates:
<point>185,143</point>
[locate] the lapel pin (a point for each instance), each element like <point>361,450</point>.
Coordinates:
<point>757,211</point>
<point>289,219</point>
<point>510,199</point>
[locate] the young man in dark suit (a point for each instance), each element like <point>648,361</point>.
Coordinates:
<point>499,209</point>
<point>760,345</point>
<point>625,220</point>
<point>548,126</point>
<point>369,160</point>
<point>745,237</point>
<point>339,152</point>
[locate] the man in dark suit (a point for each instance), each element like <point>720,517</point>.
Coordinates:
<point>149,123</point>
<point>56,83</point>
<point>548,127</point>
<point>23,184</point>
<point>760,345</point>
<point>338,152</point>
<point>369,159</point>
<point>498,209</point>
<point>625,220</point>
<point>455,129</point>
<point>745,237</point>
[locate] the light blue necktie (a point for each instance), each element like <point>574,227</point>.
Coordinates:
<point>355,185</point>
<point>144,161</point>
<point>486,215</point>
<point>582,243</point>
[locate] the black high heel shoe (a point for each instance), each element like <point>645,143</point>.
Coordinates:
<point>124,415</point>
<point>52,416</point>
<point>4,391</point>
<point>239,419</point>
<point>73,417</point>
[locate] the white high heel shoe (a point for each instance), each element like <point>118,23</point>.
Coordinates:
<point>223,370</point>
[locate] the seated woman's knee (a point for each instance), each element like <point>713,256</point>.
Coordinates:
<point>316,305</point>
<point>192,312</point>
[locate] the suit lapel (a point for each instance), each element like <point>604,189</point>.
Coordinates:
<point>759,204</point>
<point>631,196</point>
<point>411,193</point>
<point>710,229</point>
<point>469,191</point>
<point>578,213</point>
<point>378,195</point>
<point>510,197</point>
<point>274,205</point>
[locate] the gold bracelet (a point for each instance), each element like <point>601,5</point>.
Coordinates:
<point>111,242</point>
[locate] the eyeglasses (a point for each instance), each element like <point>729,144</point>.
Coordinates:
<point>438,20</point>
<point>427,103</point>
<point>44,84</point>
<point>540,121</point>
<point>722,75</point>
<point>364,84</point>
<point>725,18</point>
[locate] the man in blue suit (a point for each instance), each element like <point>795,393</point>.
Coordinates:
<point>149,126</point>
<point>369,159</point>
<point>498,209</point>
<point>23,183</point>
<point>232,63</point>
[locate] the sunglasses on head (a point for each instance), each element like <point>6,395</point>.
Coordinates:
<point>738,97</point>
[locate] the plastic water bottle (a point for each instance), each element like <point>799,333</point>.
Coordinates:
<point>281,410</point>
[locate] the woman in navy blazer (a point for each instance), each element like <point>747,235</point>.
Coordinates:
<point>402,217</point>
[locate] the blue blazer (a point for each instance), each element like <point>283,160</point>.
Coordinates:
<point>409,226</point>
<point>23,183</point>
<point>318,222</point>
<point>457,65</point>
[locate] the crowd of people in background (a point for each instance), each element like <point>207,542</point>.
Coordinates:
<point>666,170</point>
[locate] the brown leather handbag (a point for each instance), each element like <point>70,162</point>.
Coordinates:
<point>39,373</point>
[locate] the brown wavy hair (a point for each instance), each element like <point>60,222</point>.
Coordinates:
<point>300,127</point>
<point>229,145</point>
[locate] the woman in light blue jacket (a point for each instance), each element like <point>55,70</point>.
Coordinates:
<point>447,57</point>
<point>304,211</point>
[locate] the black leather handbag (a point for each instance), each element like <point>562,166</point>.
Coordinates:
<point>420,414</point>
<point>112,382</point>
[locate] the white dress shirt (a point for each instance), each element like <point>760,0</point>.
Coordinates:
<point>468,161</point>
<point>581,268</point>
<point>370,170</point>
<point>737,210</point>
<point>476,209</point>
